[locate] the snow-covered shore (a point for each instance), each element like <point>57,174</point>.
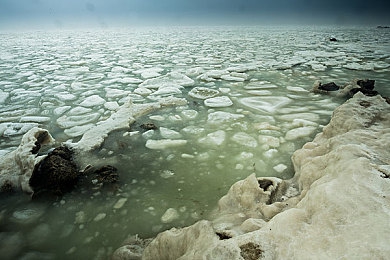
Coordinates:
<point>336,206</point>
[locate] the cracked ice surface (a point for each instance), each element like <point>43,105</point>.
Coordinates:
<point>247,108</point>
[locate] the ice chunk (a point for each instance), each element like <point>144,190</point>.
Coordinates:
<point>37,119</point>
<point>164,144</point>
<point>190,114</point>
<point>194,130</point>
<point>93,101</point>
<point>296,89</point>
<point>220,117</point>
<point>232,78</point>
<point>111,105</point>
<point>223,101</point>
<point>170,215</point>
<point>60,110</point>
<point>12,129</point>
<point>129,80</point>
<point>3,96</point>
<point>79,111</point>
<point>244,139</point>
<point>71,121</point>
<point>300,132</point>
<point>120,203</point>
<point>215,138</point>
<point>169,134</point>
<point>64,96</point>
<point>173,78</point>
<point>268,104</point>
<point>269,141</point>
<point>203,93</point>
<point>167,91</point>
<point>259,92</point>
<point>78,130</point>
<point>142,91</point>
<point>280,168</point>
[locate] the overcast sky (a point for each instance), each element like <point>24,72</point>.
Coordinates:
<point>106,13</point>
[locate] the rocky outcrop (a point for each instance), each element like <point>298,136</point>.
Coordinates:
<point>336,205</point>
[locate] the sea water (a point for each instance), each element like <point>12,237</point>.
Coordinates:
<point>249,107</point>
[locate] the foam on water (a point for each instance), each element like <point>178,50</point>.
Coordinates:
<point>248,108</point>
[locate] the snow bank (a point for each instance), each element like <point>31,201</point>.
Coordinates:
<point>17,166</point>
<point>336,206</point>
<point>122,119</point>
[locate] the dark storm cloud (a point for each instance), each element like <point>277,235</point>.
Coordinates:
<point>127,11</point>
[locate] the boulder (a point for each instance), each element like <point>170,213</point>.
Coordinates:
<point>56,174</point>
<point>329,87</point>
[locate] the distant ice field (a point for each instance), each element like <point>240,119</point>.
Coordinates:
<point>249,107</point>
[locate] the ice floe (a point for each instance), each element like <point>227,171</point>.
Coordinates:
<point>164,143</point>
<point>222,101</point>
<point>203,92</point>
<point>267,104</point>
<point>92,101</point>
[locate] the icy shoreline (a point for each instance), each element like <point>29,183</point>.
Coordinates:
<point>336,205</point>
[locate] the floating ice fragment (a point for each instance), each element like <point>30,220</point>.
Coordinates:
<point>170,215</point>
<point>79,111</point>
<point>232,78</point>
<point>268,104</point>
<point>190,114</point>
<point>65,96</point>
<point>93,101</point>
<point>244,139</point>
<point>78,130</point>
<point>167,91</point>
<point>173,78</point>
<point>280,168</point>
<point>194,130</point>
<point>37,119</point>
<point>220,117</point>
<point>142,91</point>
<point>167,174</point>
<point>3,96</point>
<point>300,132</point>
<point>148,134</point>
<point>71,121</point>
<point>203,93</point>
<point>12,129</point>
<point>99,217</point>
<point>113,105</point>
<point>223,101</point>
<point>164,144</point>
<point>169,134</point>
<point>215,138</point>
<point>120,203</point>
<point>296,89</point>
<point>269,141</point>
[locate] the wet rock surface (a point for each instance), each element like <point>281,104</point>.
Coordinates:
<point>56,174</point>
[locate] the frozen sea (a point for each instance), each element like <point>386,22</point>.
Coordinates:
<point>249,107</point>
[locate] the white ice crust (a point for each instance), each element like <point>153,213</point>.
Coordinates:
<point>336,206</point>
<point>17,166</point>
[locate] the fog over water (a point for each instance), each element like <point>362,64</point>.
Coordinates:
<point>41,14</point>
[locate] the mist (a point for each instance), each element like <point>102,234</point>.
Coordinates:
<point>45,14</point>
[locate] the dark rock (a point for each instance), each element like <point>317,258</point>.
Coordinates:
<point>329,87</point>
<point>332,39</point>
<point>107,174</point>
<point>383,27</point>
<point>149,126</point>
<point>251,251</point>
<point>265,184</point>
<point>366,84</point>
<point>366,92</point>
<point>55,174</point>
